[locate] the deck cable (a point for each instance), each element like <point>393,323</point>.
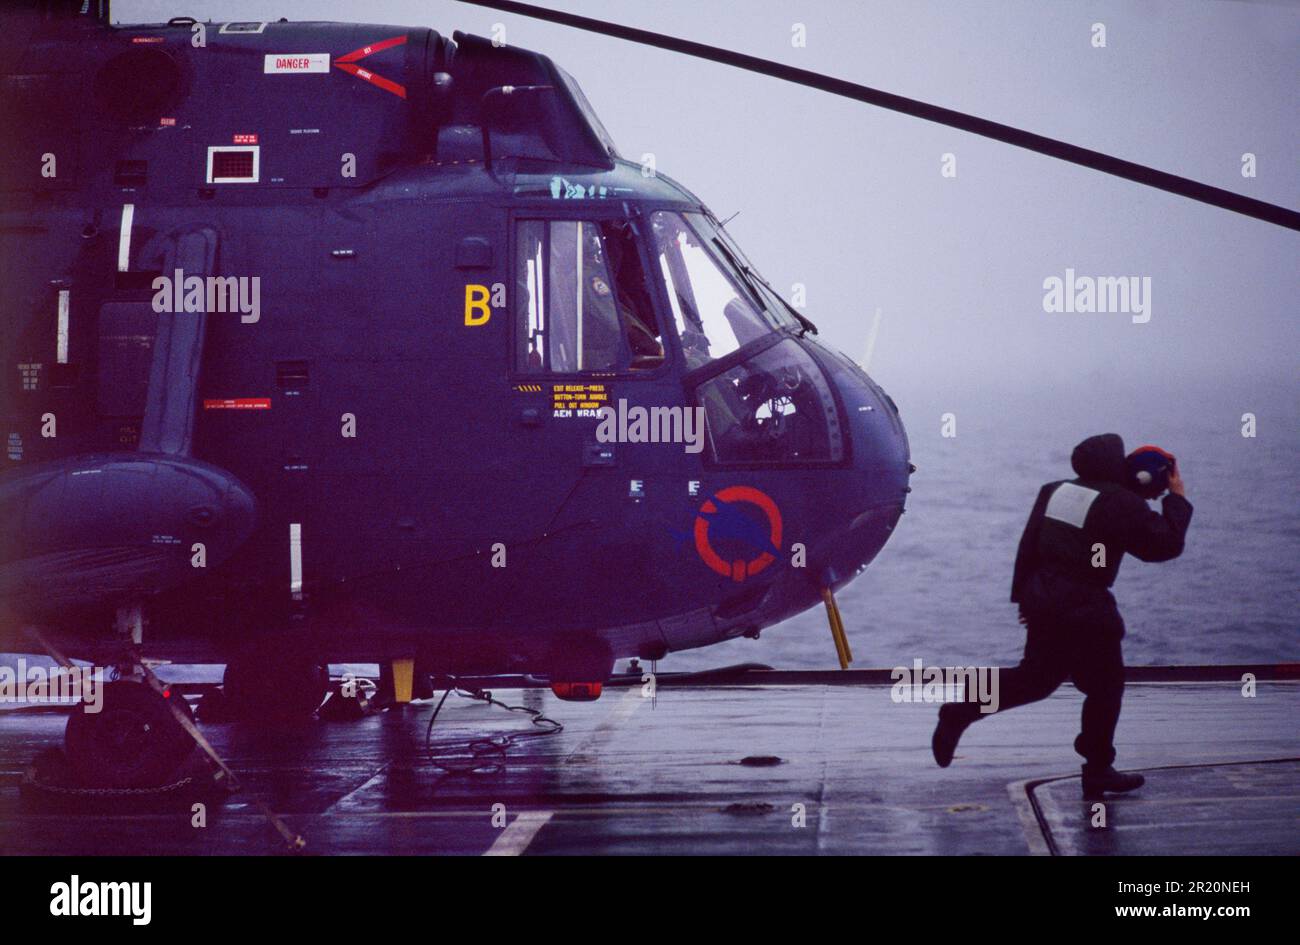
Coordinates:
<point>484,754</point>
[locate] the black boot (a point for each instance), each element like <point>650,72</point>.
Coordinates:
<point>1099,781</point>
<point>952,722</point>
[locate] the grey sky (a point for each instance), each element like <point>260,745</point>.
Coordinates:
<point>849,200</point>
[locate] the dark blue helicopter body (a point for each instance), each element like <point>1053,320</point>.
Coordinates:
<point>392,467</point>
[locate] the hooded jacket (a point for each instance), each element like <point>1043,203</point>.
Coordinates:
<point>1081,528</point>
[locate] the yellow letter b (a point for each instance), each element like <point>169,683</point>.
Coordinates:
<point>477,310</point>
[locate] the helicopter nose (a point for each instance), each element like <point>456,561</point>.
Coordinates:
<point>873,496</point>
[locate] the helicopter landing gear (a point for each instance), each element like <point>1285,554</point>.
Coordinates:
<point>838,635</point>
<point>133,741</point>
<point>402,680</point>
<point>142,733</point>
<point>278,679</point>
<point>137,734</point>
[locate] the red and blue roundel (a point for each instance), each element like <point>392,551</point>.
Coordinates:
<point>727,519</point>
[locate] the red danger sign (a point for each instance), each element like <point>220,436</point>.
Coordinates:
<point>291,63</point>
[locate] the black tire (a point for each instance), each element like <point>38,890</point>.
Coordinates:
<point>134,741</point>
<point>276,679</point>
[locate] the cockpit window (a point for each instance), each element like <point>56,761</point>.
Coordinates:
<point>715,309</point>
<point>582,301</point>
<point>774,408</point>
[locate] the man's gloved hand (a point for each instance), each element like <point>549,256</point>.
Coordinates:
<point>1176,481</point>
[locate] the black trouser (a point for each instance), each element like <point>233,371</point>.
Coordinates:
<point>1058,648</point>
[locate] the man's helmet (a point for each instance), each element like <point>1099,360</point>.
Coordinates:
<point>1147,470</point>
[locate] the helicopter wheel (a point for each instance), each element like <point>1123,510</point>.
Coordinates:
<point>276,679</point>
<point>134,740</point>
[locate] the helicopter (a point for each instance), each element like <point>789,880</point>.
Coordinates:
<point>314,338</point>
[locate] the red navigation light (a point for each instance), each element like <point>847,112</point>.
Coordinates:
<point>577,691</point>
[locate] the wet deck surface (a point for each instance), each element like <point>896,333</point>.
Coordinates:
<point>1232,809</point>
<point>630,775</point>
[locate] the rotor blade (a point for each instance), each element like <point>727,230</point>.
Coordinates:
<point>1138,173</point>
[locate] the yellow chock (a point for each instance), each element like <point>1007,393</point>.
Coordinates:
<point>403,680</point>
<point>837,628</point>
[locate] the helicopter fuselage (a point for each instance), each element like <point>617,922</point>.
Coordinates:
<point>396,449</point>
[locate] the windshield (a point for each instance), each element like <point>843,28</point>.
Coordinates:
<point>717,310</point>
<point>776,307</point>
<point>776,407</point>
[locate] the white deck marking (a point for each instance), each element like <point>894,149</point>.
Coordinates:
<point>124,238</point>
<point>516,837</point>
<point>1034,838</point>
<point>374,779</point>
